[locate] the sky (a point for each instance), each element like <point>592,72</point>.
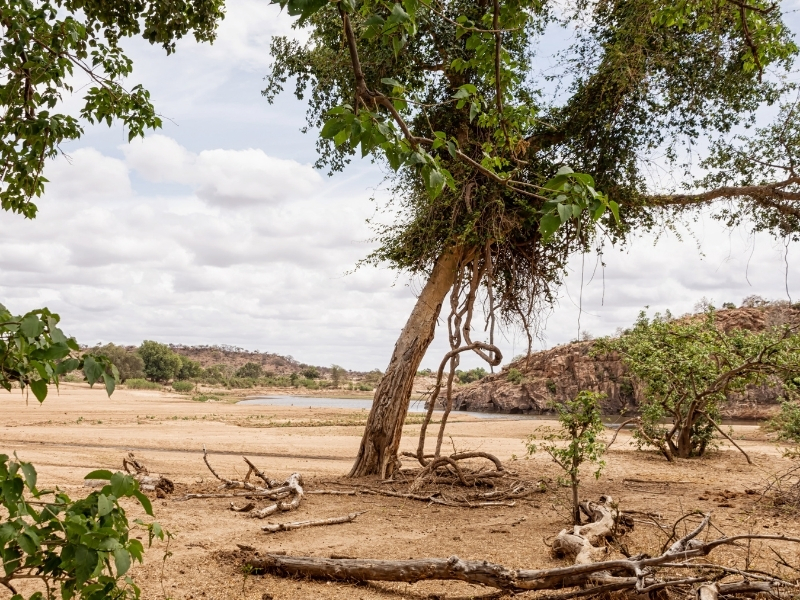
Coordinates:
<point>218,230</point>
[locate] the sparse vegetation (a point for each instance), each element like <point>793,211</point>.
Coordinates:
<point>581,427</point>
<point>183,386</point>
<point>689,366</point>
<point>514,376</point>
<point>128,362</point>
<point>787,421</point>
<point>143,384</point>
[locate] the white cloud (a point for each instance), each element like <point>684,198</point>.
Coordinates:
<point>225,178</point>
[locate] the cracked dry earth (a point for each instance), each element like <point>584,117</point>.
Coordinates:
<point>79,430</point>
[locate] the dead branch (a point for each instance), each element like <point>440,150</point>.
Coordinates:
<point>274,528</point>
<point>725,435</point>
<point>637,574</point>
<point>246,508</point>
<point>264,512</point>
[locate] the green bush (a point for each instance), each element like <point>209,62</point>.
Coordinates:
<point>190,369</point>
<point>81,548</point>
<point>160,362</point>
<point>129,364</point>
<point>471,375</point>
<point>310,373</point>
<point>143,384</point>
<point>182,386</point>
<point>514,376</point>
<point>250,370</point>
<point>787,422</point>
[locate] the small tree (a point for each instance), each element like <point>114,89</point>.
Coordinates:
<point>581,427</point>
<point>689,366</point>
<point>251,370</point>
<point>190,369</point>
<point>310,373</point>
<point>160,362</point>
<point>338,375</point>
<point>129,364</point>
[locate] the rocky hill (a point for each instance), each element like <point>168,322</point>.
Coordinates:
<point>556,375</point>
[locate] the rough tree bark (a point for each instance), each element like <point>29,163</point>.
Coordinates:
<point>379,445</point>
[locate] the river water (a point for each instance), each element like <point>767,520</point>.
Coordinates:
<point>418,406</point>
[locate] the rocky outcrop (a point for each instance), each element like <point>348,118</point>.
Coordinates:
<point>534,384</point>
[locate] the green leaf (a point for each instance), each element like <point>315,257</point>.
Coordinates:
<point>144,501</point>
<point>104,505</point>
<point>331,128</point>
<point>474,110</point>
<point>392,82</point>
<point>29,472</point>
<point>31,326</point>
<point>92,370</point>
<point>548,225</point>
<point>39,389</point>
<point>110,382</point>
<point>104,474</point>
<point>27,544</point>
<point>122,561</point>
<point>564,212</point>
<point>614,209</point>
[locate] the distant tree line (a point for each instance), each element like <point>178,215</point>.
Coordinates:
<point>153,364</point>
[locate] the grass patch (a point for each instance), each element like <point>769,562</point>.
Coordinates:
<point>142,384</point>
<point>182,386</point>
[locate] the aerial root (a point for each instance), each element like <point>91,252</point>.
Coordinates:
<point>584,544</point>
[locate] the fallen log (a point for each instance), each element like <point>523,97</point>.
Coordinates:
<point>637,574</point>
<point>276,527</point>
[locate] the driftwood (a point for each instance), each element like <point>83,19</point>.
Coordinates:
<point>148,482</point>
<point>276,527</point>
<point>273,490</point>
<point>637,574</point>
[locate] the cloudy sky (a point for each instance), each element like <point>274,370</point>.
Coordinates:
<point>217,230</point>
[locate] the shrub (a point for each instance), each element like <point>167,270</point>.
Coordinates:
<point>160,362</point>
<point>182,386</point>
<point>251,370</point>
<point>787,422</point>
<point>689,366</point>
<point>363,387</point>
<point>81,548</point>
<point>310,373</point>
<point>581,427</point>
<point>129,364</point>
<point>551,386</point>
<point>338,375</point>
<point>471,375</point>
<point>514,376</point>
<point>190,369</point>
<point>143,384</point>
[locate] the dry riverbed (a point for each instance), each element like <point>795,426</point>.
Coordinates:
<point>80,430</point>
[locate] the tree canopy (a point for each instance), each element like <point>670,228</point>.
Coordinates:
<point>450,96</point>
<point>45,43</point>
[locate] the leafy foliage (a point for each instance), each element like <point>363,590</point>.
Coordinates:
<point>787,421</point>
<point>34,352</point>
<point>128,362</point>
<point>81,548</point>
<point>160,362</point>
<point>471,375</point>
<point>445,94</point>
<point>689,366</point>
<point>581,427</point>
<point>189,369</point>
<point>251,369</point>
<point>44,43</point>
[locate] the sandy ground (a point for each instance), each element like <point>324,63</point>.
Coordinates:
<point>80,430</point>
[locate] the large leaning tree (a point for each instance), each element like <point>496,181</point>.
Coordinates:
<point>500,169</point>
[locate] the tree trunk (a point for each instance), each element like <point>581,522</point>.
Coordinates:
<point>378,452</point>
